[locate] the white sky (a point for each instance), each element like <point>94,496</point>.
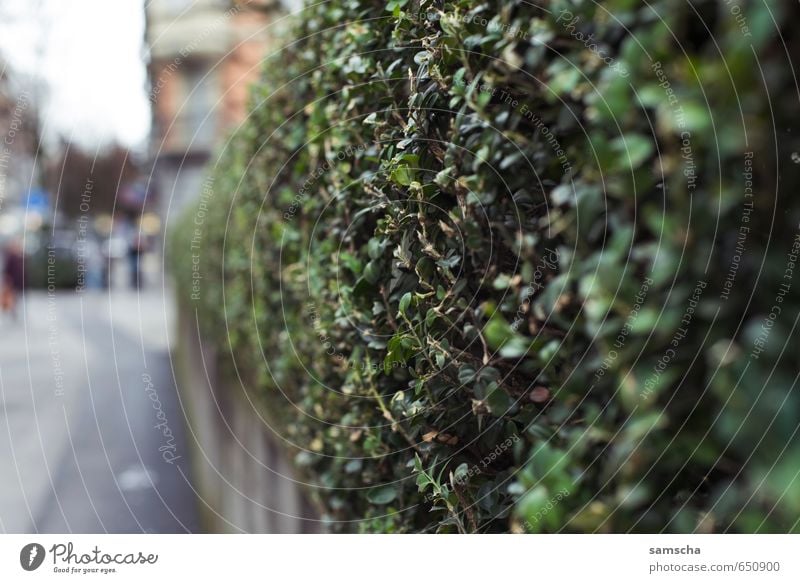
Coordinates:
<point>91,57</point>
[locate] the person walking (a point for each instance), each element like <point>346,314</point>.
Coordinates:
<point>135,251</point>
<point>13,274</point>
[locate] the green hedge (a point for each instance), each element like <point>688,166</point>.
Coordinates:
<point>495,266</point>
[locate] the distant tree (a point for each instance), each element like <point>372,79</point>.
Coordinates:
<point>87,183</point>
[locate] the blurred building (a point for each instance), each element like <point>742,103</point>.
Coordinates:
<point>203,56</point>
<point>18,143</point>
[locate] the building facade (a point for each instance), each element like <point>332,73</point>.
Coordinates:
<point>203,56</point>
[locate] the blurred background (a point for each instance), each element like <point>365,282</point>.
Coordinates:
<point>108,113</point>
<point>111,114</point>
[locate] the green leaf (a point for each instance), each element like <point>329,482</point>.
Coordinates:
<point>394,6</point>
<point>466,375</point>
<point>530,507</point>
<point>382,494</point>
<point>497,331</point>
<point>372,272</point>
<point>633,150</point>
<point>500,336</point>
<point>404,303</point>
<point>499,402</point>
<point>402,175</point>
<point>399,349</point>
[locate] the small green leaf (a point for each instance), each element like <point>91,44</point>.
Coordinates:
<point>372,272</point>
<point>382,494</point>
<point>404,302</point>
<point>402,175</point>
<point>633,150</point>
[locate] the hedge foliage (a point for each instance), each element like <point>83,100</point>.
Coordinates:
<point>515,266</point>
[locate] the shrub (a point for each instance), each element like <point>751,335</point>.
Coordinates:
<point>515,266</point>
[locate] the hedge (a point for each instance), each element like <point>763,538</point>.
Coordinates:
<point>517,266</point>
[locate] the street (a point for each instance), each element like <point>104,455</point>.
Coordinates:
<point>91,427</point>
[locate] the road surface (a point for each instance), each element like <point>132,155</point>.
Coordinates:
<point>91,427</point>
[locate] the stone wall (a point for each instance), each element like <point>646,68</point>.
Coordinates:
<point>239,469</point>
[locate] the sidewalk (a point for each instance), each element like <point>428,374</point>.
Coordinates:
<point>88,412</point>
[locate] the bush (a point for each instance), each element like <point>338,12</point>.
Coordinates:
<point>501,267</point>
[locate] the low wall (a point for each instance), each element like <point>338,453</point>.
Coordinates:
<point>240,472</point>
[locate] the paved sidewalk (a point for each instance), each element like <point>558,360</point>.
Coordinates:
<point>91,429</point>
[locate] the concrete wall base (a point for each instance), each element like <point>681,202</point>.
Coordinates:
<point>239,469</point>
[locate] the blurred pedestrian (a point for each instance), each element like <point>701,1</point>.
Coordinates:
<point>135,251</point>
<point>13,284</point>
